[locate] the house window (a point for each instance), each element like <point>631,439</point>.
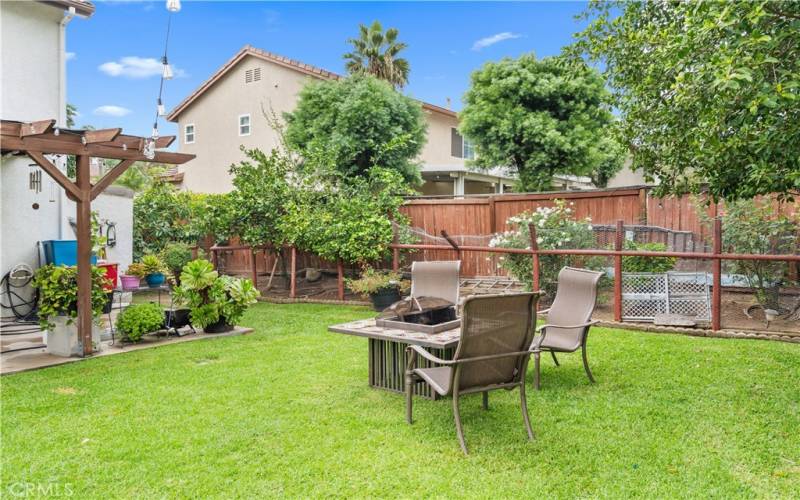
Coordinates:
<point>456,144</point>
<point>244,124</point>
<point>469,150</point>
<point>188,134</point>
<point>252,75</point>
<point>461,147</point>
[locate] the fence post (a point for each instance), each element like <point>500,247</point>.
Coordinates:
<point>340,278</point>
<point>716,270</point>
<point>395,251</point>
<point>534,257</point>
<point>254,265</point>
<point>293,275</point>
<point>214,257</point>
<point>618,237</point>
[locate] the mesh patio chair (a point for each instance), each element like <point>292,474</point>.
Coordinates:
<point>568,319</point>
<point>493,353</point>
<point>435,279</point>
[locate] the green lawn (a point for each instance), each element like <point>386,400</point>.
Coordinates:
<point>287,411</point>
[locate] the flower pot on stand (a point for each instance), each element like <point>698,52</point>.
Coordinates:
<point>155,280</point>
<point>130,282</point>
<point>62,340</point>
<point>384,298</point>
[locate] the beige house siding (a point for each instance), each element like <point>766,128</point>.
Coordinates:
<point>215,115</point>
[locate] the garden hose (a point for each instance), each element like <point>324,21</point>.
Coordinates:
<point>19,277</point>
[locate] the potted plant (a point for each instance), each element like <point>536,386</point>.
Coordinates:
<point>132,277</point>
<point>175,255</point>
<point>58,306</point>
<point>216,302</point>
<point>382,287</point>
<point>155,271</point>
<point>139,319</point>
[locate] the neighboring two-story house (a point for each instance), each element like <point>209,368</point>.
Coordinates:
<point>226,111</point>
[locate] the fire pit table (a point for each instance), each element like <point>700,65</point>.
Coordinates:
<point>387,352</point>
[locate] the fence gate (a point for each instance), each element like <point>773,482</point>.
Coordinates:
<point>644,295</point>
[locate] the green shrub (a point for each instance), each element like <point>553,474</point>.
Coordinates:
<point>175,255</point>
<point>212,297</point>
<point>139,319</point>
<point>636,264</point>
<point>556,228</point>
<point>373,281</point>
<point>58,293</point>
<point>151,264</point>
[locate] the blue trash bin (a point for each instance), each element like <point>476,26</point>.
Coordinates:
<point>62,252</point>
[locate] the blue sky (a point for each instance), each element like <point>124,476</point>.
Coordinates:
<point>112,82</point>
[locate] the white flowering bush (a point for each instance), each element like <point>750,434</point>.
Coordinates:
<point>556,228</point>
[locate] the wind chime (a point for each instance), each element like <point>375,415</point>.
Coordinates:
<point>149,151</point>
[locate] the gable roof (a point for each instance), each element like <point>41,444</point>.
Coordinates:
<point>293,64</point>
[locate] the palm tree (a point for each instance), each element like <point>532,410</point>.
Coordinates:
<point>375,53</point>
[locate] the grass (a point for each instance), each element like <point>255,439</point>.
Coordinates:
<point>286,411</point>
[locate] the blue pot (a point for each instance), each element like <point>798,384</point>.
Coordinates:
<point>155,280</point>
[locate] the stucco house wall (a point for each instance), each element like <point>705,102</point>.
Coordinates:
<point>214,111</point>
<point>32,63</point>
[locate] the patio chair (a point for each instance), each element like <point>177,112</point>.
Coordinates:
<point>435,279</point>
<point>568,318</point>
<point>493,353</point>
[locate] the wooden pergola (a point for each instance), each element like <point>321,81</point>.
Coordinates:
<point>39,138</point>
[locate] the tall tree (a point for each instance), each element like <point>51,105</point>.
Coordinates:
<point>540,117</point>
<point>355,124</point>
<point>708,92</point>
<point>375,53</point>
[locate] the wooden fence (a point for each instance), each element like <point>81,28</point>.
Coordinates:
<point>483,215</point>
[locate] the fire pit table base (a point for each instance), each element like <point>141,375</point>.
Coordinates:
<point>387,366</point>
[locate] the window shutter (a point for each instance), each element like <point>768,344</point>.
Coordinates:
<point>456,143</point>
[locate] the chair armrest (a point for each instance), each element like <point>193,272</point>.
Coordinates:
<point>491,356</point>
<point>588,323</point>
<point>543,311</point>
<point>413,350</point>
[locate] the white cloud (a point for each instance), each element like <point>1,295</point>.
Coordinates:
<point>69,56</point>
<point>111,110</point>
<point>496,38</point>
<point>136,67</point>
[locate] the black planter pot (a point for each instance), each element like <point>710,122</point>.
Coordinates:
<point>384,298</point>
<point>220,326</point>
<point>109,303</point>
<point>176,318</point>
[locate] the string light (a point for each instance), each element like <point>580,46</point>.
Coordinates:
<point>174,5</point>
<point>149,149</point>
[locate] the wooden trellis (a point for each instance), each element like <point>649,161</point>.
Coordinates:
<point>39,138</point>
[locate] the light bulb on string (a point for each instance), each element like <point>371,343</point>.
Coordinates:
<point>174,5</point>
<point>167,74</point>
<point>149,150</point>
<point>161,110</point>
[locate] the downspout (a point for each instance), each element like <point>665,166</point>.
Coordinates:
<point>62,99</point>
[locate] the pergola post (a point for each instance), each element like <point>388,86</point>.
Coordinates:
<point>83,217</point>
<point>37,139</point>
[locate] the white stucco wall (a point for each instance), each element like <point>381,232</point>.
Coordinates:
<point>30,66</point>
<point>115,204</point>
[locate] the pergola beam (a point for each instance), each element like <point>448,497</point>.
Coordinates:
<point>103,135</point>
<point>36,128</point>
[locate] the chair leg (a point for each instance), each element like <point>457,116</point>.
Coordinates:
<point>555,359</point>
<point>586,364</point>
<point>459,428</point>
<point>485,400</point>
<point>523,402</point>
<point>409,393</point>
<point>536,371</point>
